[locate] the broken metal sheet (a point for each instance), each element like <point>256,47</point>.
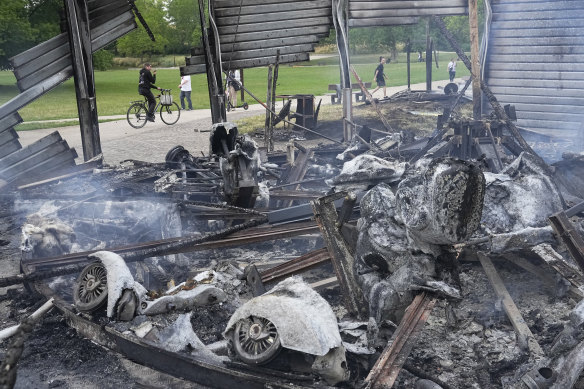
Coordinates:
<point>304,320</point>
<point>365,171</point>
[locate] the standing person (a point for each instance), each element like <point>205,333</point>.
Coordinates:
<point>145,83</point>
<point>380,77</point>
<point>185,91</point>
<point>452,69</point>
<point>233,83</point>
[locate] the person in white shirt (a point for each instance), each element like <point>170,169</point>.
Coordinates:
<point>452,69</point>
<point>185,91</point>
<point>234,85</point>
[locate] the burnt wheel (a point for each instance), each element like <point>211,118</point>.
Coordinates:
<point>256,340</point>
<point>90,291</point>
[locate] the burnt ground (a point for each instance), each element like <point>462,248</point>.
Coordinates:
<point>465,344</point>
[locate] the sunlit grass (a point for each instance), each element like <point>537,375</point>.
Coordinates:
<point>116,88</point>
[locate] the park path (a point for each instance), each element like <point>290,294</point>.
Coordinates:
<point>121,142</point>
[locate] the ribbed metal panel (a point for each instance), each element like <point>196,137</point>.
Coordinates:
<point>364,13</point>
<point>535,60</point>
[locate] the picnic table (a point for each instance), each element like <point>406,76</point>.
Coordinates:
<point>336,97</point>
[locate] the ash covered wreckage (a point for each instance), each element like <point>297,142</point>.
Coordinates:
<point>379,260</point>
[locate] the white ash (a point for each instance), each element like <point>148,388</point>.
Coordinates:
<point>46,237</point>
<point>521,196</point>
<point>366,170</point>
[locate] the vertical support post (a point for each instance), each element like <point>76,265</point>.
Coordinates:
<point>340,21</point>
<point>428,57</point>
<point>216,95</point>
<point>273,100</point>
<point>474,54</point>
<point>242,83</point>
<point>82,61</point>
<point>268,134</point>
<point>409,49</point>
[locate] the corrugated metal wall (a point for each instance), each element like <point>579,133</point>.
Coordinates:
<point>535,60</point>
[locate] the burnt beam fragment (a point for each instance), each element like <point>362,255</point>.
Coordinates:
<point>326,217</point>
<point>296,266</point>
<point>386,369</point>
<point>570,236</point>
<point>524,334</point>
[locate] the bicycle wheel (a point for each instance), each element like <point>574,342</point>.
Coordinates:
<point>137,114</point>
<point>170,113</point>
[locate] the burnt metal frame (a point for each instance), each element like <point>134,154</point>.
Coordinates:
<point>80,43</point>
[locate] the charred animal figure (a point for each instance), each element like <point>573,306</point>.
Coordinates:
<point>405,237</point>
<point>239,163</point>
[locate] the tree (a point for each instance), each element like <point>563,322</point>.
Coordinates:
<point>16,33</point>
<point>138,43</point>
<point>185,26</point>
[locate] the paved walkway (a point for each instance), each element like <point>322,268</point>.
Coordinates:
<point>120,142</point>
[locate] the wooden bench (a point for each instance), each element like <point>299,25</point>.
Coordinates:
<point>337,96</point>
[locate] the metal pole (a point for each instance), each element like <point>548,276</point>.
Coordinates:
<point>82,62</point>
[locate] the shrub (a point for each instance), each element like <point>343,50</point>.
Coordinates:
<point>103,60</point>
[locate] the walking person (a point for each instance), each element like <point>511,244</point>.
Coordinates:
<point>452,69</point>
<point>145,83</point>
<point>185,91</point>
<point>380,77</point>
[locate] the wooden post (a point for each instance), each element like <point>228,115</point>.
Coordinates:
<point>242,91</point>
<point>474,54</point>
<point>267,134</point>
<point>82,61</point>
<point>273,101</point>
<point>428,57</point>
<point>408,47</point>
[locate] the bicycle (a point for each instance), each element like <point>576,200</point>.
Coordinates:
<point>138,112</point>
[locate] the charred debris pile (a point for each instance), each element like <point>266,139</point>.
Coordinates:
<point>451,261</point>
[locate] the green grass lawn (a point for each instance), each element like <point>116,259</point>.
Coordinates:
<point>116,88</point>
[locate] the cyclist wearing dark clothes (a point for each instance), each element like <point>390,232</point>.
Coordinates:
<point>146,82</point>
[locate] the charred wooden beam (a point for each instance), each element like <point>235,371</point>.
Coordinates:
<point>559,264</point>
<point>570,236</point>
<point>524,334</point>
<point>386,369</point>
<point>326,216</point>
<point>296,266</point>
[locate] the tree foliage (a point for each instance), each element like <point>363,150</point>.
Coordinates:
<point>138,43</point>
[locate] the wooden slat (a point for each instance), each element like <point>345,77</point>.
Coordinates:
<point>10,121</point>
<point>278,7</point>
<point>277,33</point>
<point>542,83</point>
<point>422,4</point>
<point>529,75</point>
<point>35,160</point>
<point>535,50</point>
<point>9,148</point>
<point>374,22</point>
<point>536,91</point>
<point>412,12</point>
<point>539,58</point>
<point>295,23</point>
<point>248,63</point>
<point>31,149</point>
<point>7,136</point>
<point>504,7</point>
<point>54,163</point>
<point>268,43</point>
<point>262,18</point>
<point>536,67</point>
<point>538,33</point>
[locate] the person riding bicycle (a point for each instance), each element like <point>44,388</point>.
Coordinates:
<point>146,82</point>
